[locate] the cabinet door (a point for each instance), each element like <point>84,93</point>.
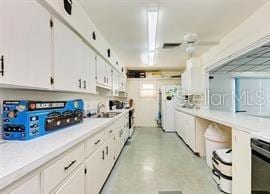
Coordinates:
<point>89,70</point>
<point>241,161</point>
<point>31,186</point>
<point>96,171</point>
<point>26,44</point>
<point>177,121</point>
<point>109,152</point>
<point>67,59</point>
<point>118,142</point>
<point>74,184</point>
<point>191,132</point>
<point>101,69</point>
<point>115,83</point>
<point>108,75</point>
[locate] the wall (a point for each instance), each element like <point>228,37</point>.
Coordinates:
<point>251,30</point>
<point>146,109</point>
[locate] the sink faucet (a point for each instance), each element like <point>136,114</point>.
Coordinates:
<point>99,107</point>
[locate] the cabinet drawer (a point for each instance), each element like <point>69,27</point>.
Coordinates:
<point>94,142</point>
<point>109,131</point>
<point>58,171</point>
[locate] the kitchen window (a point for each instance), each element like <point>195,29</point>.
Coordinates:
<point>148,89</point>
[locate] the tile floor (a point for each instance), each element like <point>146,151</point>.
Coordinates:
<point>157,161</point>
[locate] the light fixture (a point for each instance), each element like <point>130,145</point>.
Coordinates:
<point>152,30</point>
<point>151,58</point>
<point>152,35</point>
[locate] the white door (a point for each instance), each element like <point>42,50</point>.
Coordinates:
<point>74,184</point>
<point>67,59</point>
<point>191,132</point>
<point>31,186</point>
<point>96,171</point>
<point>109,152</point>
<point>89,70</point>
<point>241,157</point>
<point>26,44</point>
<point>115,83</point>
<point>169,112</point>
<point>109,75</point>
<point>101,69</point>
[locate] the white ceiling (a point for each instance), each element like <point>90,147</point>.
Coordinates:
<point>124,25</point>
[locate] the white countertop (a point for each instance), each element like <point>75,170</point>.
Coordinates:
<point>235,120</point>
<point>18,158</point>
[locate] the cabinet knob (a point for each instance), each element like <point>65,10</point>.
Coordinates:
<point>103,155</point>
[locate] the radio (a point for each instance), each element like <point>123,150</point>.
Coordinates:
<point>24,120</point>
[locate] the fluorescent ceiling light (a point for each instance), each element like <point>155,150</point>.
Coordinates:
<point>152,30</point>
<point>151,58</point>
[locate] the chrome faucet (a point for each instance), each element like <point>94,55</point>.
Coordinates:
<point>99,107</point>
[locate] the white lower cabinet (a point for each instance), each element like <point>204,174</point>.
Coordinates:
<point>191,129</point>
<point>83,169</point>
<point>185,127</point>
<point>98,167</point>
<point>74,184</point>
<point>30,186</point>
<point>63,167</point>
<point>241,157</point>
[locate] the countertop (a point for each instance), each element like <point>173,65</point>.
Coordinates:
<point>251,124</point>
<point>18,158</point>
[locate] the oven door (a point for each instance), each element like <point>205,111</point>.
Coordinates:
<point>260,166</point>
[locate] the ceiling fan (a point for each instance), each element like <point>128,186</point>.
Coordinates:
<point>190,43</point>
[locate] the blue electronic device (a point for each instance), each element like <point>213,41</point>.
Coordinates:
<point>24,120</point>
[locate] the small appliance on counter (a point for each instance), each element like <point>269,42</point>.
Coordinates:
<point>116,103</point>
<point>24,120</point>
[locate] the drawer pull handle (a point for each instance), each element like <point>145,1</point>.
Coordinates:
<point>110,131</point>
<point>67,167</point>
<point>103,155</point>
<point>97,142</point>
<point>107,150</point>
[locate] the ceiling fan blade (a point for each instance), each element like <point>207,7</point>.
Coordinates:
<point>207,43</point>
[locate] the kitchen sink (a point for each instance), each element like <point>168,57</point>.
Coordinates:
<point>106,115</point>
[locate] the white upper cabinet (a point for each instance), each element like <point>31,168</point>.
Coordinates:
<point>104,73</point>
<point>89,70</point>
<point>74,62</point>
<point>109,75</point>
<point>68,59</point>
<point>122,83</point>
<point>26,45</point>
<point>115,85</point>
<point>81,22</point>
<point>101,69</point>
<point>191,79</point>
